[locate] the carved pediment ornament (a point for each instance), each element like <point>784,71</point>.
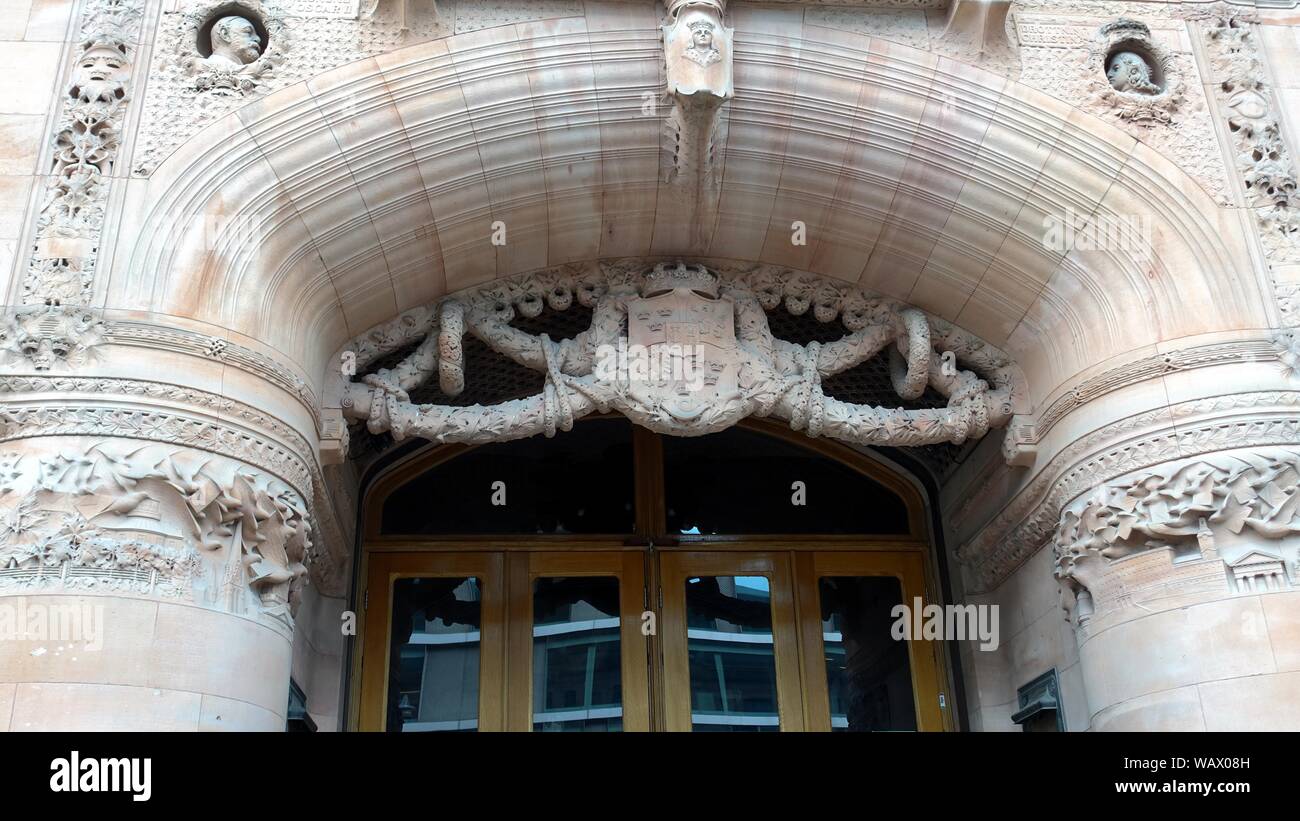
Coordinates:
<point>684,351</point>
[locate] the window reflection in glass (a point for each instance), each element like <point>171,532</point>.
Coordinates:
<point>434,673</point>
<point>868,672</point>
<point>577,665</point>
<point>731,654</point>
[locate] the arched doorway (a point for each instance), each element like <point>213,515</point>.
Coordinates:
<point>614,579</point>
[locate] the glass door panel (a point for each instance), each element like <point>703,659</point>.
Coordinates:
<point>433,661</point>
<point>859,677</point>
<point>577,653</point>
<point>729,643</point>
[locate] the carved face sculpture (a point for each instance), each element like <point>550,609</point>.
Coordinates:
<point>100,76</point>
<point>701,49</point>
<point>1129,71</point>
<point>47,335</point>
<point>235,41</point>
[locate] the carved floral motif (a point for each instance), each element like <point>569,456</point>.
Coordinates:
<point>1266,170</point>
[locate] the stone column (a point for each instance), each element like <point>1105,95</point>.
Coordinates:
<point>153,545</point>
<point>1183,581</point>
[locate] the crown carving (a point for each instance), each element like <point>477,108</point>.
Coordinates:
<point>667,277</point>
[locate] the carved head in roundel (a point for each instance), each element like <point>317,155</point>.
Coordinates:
<point>235,41</point>
<point>1129,71</point>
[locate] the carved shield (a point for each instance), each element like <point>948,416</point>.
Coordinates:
<point>691,361</point>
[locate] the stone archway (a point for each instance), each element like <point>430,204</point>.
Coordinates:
<point>247,261</point>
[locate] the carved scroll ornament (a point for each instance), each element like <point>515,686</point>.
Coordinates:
<point>716,325</point>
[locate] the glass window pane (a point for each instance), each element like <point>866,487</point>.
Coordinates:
<point>577,662</point>
<point>755,493</point>
<point>868,671</point>
<point>581,481</point>
<point>433,680</point>
<point>731,653</point>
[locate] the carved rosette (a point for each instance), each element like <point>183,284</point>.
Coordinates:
<point>745,370</point>
<point>96,514</point>
<point>1209,525</point>
<point>1132,76</point>
<point>211,77</point>
<point>85,147</point>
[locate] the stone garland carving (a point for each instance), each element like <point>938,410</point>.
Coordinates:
<point>237,62</point>
<point>1262,159</point>
<point>721,325</point>
<point>51,335</point>
<point>155,519</point>
<point>1209,508</point>
<point>85,147</point>
<point>1135,443</point>
<point>1132,76</point>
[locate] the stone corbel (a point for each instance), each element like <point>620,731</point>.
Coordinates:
<point>698,66</point>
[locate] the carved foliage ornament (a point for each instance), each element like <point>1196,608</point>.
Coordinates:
<point>231,50</point>
<point>85,146</point>
<point>1132,75</point>
<point>707,359</point>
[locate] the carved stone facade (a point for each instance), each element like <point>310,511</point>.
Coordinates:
<point>250,247</point>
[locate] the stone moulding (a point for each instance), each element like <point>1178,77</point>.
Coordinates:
<point>1029,520</point>
<point>745,370</point>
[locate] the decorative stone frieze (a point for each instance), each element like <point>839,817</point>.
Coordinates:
<point>743,369</point>
<point>1191,526</point>
<point>86,143</point>
<point>1138,442</point>
<point>115,515</point>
